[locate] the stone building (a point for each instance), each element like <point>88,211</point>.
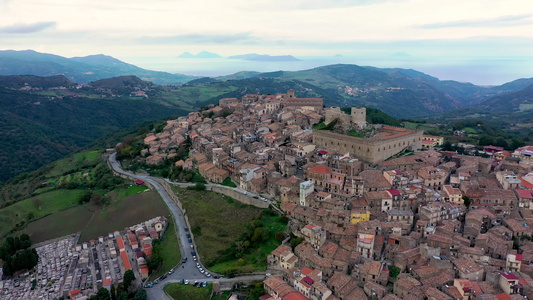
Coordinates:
<point>357,118</point>
<point>387,142</point>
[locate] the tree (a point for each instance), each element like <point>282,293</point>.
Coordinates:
<point>467,201</point>
<point>394,271</point>
<point>280,236</point>
<point>129,278</point>
<point>485,140</point>
<point>103,294</point>
<point>199,186</point>
<point>141,295</point>
<point>501,142</point>
<point>257,237</point>
<point>96,199</point>
<point>85,197</point>
<point>37,203</point>
<point>113,292</point>
<point>295,241</point>
<point>447,146</point>
<point>25,241</point>
<point>517,143</point>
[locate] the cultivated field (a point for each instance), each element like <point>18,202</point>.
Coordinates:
<point>30,208</point>
<point>93,221</point>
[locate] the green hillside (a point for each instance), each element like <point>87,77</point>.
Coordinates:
<point>38,129</point>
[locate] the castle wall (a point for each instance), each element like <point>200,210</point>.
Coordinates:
<point>357,116</point>
<point>373,150</point>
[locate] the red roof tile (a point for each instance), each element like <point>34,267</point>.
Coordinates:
<point>320,169</point>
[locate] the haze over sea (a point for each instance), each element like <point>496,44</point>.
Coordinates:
<point>476,70</point>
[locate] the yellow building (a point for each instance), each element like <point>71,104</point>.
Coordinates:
<point>359,216</point>
<point>430,141</point>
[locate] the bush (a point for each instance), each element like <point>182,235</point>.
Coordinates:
<point>199,186</point>
<point>280,236</point>
<point>394,271</point>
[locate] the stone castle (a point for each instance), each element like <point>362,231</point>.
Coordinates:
<point>357,117</point>
<point>386,142</point>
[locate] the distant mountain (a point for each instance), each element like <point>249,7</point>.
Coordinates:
<point>519,101</point>
<point>508,108</point>
<point>467,93</point>
<point>201,55</point>
<point>264,57</point>
<point>402,93</point>
<point>243,56</point>
<point>79,69</point>
<point>186,55</point>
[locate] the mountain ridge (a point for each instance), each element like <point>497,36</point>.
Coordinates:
<point>79,69</point>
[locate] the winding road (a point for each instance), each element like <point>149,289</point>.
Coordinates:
<point>188,270</point>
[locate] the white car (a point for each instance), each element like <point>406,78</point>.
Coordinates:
<point>202,271</point>
<point>207,274</point>
<point>186,281</point>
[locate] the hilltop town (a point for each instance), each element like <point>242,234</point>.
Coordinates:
<point>378,217</point>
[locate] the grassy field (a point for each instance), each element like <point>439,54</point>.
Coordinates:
<point>181,291</point>
<point>526,107</point>
<point>214,214</point>
<point>76,161</point>
<point>93,222</point>
<point>216,228</point>
<point>170,251</point>
<point>255,259</point>
<point>47,203</point>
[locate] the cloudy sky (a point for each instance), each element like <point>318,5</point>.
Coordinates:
<point>140,28</point>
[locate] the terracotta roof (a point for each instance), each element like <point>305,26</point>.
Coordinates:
<point>320,169</point>
<point>525,194</point>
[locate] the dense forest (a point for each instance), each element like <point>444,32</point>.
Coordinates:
<point>37,129</point>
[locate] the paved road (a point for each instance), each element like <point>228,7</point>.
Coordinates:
<point>189,269</point>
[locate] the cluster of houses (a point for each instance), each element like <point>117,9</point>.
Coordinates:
<point>455,226</point>
<point>410,213</point>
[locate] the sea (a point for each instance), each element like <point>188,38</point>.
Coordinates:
<point>477,70</point>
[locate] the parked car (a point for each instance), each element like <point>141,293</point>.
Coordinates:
<point>184,260</point>
<point>186,281</point>
<point>204,284</point>
<point>186,229</point>
<point>182,281</point>
<point>190,241</point>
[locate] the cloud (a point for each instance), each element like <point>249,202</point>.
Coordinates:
<point>314,4</point>
<point>27,28</point>
<point>239,38</point>
<point>499,21</point>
